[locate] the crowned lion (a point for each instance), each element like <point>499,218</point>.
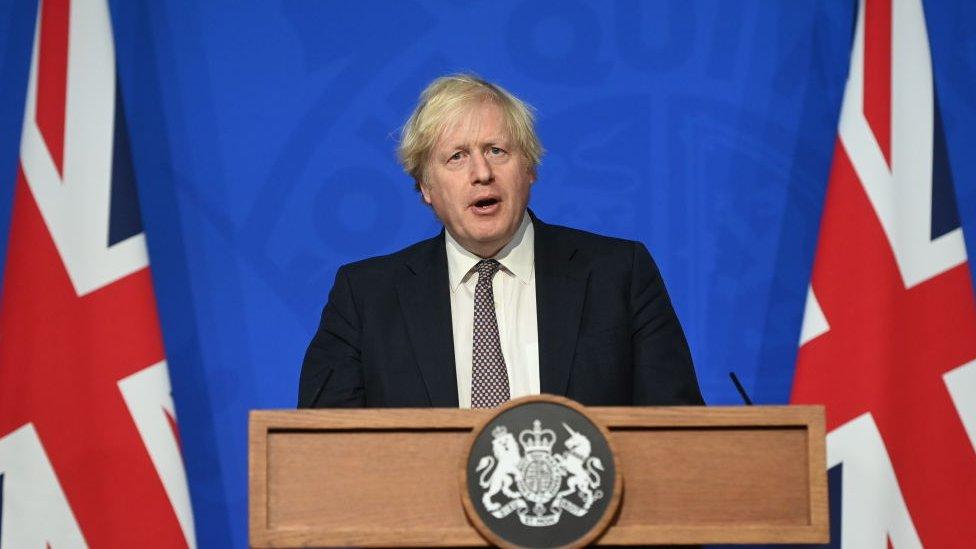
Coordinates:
<point>503,468</point>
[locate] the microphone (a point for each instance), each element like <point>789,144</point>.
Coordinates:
<point>741,389</point>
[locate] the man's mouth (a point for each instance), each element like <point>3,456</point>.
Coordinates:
<point>485,204</point>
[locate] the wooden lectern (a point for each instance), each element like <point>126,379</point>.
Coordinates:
<point>389,477</point>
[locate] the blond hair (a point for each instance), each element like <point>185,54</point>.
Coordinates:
<point>443,102</point>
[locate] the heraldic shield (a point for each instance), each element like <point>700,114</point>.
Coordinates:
<point>540,473</point>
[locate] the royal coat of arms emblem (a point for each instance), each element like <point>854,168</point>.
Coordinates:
<point>525,476</point>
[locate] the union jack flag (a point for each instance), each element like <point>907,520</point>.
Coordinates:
<point>89,449</point>
<point>889,332</point>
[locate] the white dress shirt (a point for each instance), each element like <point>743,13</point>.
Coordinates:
<point>514,289</point>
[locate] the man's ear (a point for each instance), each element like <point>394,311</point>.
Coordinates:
<point>529,169</point>
<point>425,192</point>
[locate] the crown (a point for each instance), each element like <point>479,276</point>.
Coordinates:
<point>538,439</point>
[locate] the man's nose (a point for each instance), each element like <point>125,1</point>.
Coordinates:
<point>480,169</point>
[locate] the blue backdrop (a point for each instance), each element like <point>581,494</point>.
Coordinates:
<point>263,137</point>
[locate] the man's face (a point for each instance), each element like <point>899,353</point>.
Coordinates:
<point>476,182</point>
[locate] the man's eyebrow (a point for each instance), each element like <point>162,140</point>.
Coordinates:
<point>463,146</point>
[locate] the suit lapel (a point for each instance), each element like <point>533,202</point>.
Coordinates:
<point>425,300</point>
<point>561,276</point>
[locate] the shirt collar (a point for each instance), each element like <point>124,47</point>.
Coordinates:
<point>517,257</point>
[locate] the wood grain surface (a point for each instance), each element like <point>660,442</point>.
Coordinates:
<point>388,477</point>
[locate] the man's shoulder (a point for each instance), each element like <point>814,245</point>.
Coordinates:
<point>593,244</point>
<point>416,255</point>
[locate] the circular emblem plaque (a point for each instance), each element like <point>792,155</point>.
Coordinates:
<point>540,473</point>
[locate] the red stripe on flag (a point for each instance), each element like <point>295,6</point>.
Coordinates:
<point>174,429</point>
<point>52,76</point>
<point>60,363</point>
<point>885,353</point>
<point>877,72</point>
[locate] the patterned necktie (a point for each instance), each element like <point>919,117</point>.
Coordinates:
<point>489,377</point>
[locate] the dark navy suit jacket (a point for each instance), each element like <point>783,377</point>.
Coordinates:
<point>608,334</point>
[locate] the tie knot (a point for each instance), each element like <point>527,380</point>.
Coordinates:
<point>487,268</point>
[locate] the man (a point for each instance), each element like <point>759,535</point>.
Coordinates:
<point>500,304</point>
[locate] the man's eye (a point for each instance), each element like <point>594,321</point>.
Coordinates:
<point>455,157</point>
<point>496,151</point>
